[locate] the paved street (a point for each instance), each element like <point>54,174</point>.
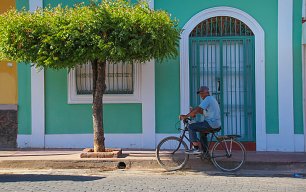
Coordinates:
<point>149,181</point>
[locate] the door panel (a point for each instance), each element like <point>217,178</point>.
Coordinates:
<point>226,67</point>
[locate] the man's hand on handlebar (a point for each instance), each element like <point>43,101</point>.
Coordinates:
<point>183,117</point>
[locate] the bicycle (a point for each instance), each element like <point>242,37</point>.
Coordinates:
<point>226,153</point>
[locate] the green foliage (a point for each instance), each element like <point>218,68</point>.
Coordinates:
<point>63,37</point>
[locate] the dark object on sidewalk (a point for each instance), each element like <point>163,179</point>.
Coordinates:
<point>121,165</point>
<point>297,175</point>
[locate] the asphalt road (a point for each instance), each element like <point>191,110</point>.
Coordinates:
<point>148,181</point>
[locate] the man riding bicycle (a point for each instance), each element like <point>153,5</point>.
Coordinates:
<point>210,109</point>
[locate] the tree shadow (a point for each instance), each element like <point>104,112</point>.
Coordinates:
<point>41,177</point>
<point>250,173</point>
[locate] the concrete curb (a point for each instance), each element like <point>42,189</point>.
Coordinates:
<point>145,164</point>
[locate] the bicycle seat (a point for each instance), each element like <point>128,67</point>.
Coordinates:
<point>211,130</point>
<point>222,137</point>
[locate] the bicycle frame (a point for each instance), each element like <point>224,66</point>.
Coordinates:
<point>205,148</point>
<point>218,150</point>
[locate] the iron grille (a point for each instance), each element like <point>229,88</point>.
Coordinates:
<point>221,26</point>
<point>119,78</point>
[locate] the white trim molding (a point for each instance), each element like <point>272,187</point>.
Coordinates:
<point>285,76</point>
<point>148,104</point>
<point>74,98</point>
<point>261,136</point>
<point>86,140</point>
<point>274,140</point>
<point>151,4</point>
<point>12,107</point>
<point>37,138</point>
<point>38,107</point>
<point>35,4</point>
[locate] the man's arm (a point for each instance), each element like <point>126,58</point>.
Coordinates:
<point>192,113</point>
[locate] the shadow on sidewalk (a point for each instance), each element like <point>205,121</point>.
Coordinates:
<point>251,173</point>
<point>39,177</point>
<point>34,155</point>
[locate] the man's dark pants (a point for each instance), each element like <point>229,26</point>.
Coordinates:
<point>199,127</point>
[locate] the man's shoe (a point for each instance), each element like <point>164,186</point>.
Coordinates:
<point>193,152</point>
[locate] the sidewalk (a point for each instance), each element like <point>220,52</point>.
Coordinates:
<point>140,159</point>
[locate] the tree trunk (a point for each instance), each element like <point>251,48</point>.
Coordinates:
<point>98,71</point>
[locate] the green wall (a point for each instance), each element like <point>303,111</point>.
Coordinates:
<point>64,118</point>
<point>297,68</point>
<point>20,4</point>
<point>54,3</point>
<point>167,73</point>
<point>167,95</point>
<point>24,88</point>
<point>24,99</point>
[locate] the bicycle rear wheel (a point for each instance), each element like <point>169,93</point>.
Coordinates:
<point>228,155</point>
<point>170,153</point>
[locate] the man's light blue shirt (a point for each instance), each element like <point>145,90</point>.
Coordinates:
<point>211,111</point>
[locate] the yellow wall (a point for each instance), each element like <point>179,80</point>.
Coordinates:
<point>6,4</point>
<point>8,83</point>
<point>8,70</point>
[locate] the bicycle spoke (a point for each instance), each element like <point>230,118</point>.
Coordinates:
<point>171,154</point>
<point>228,155</point>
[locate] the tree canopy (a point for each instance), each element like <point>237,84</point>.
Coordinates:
<point>62,37</point>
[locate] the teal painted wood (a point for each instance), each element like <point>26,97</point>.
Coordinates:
<point>226,65</point>
<point>297,69</point>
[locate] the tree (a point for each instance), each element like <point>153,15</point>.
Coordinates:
<point>113,31</point>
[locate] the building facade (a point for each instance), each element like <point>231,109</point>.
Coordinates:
<point>8,95</point>
<point>250,54</point>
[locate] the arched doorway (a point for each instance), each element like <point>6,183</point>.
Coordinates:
<point>221,57</point>
<point>259,64</point>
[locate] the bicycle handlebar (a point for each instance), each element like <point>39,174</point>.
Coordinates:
<point>187,120</point>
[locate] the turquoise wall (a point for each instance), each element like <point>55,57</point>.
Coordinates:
<point>168,72</point>
<point>297,68</point>
<point>167,95</point>
<point>54,3</point>
<point>20,4</point>
<point>24,88</point>
<point>68,2</point>
<point>64,118</point>
<point>24,99</point>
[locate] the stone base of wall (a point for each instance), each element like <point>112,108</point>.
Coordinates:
<point>8,128</point>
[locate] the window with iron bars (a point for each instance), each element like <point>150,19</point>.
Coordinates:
<point>119,78</point>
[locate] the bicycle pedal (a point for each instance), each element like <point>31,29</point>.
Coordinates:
<point>198,155</point>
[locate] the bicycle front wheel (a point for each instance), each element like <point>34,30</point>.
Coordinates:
<point>170,153</point>
<point>228,155</point>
